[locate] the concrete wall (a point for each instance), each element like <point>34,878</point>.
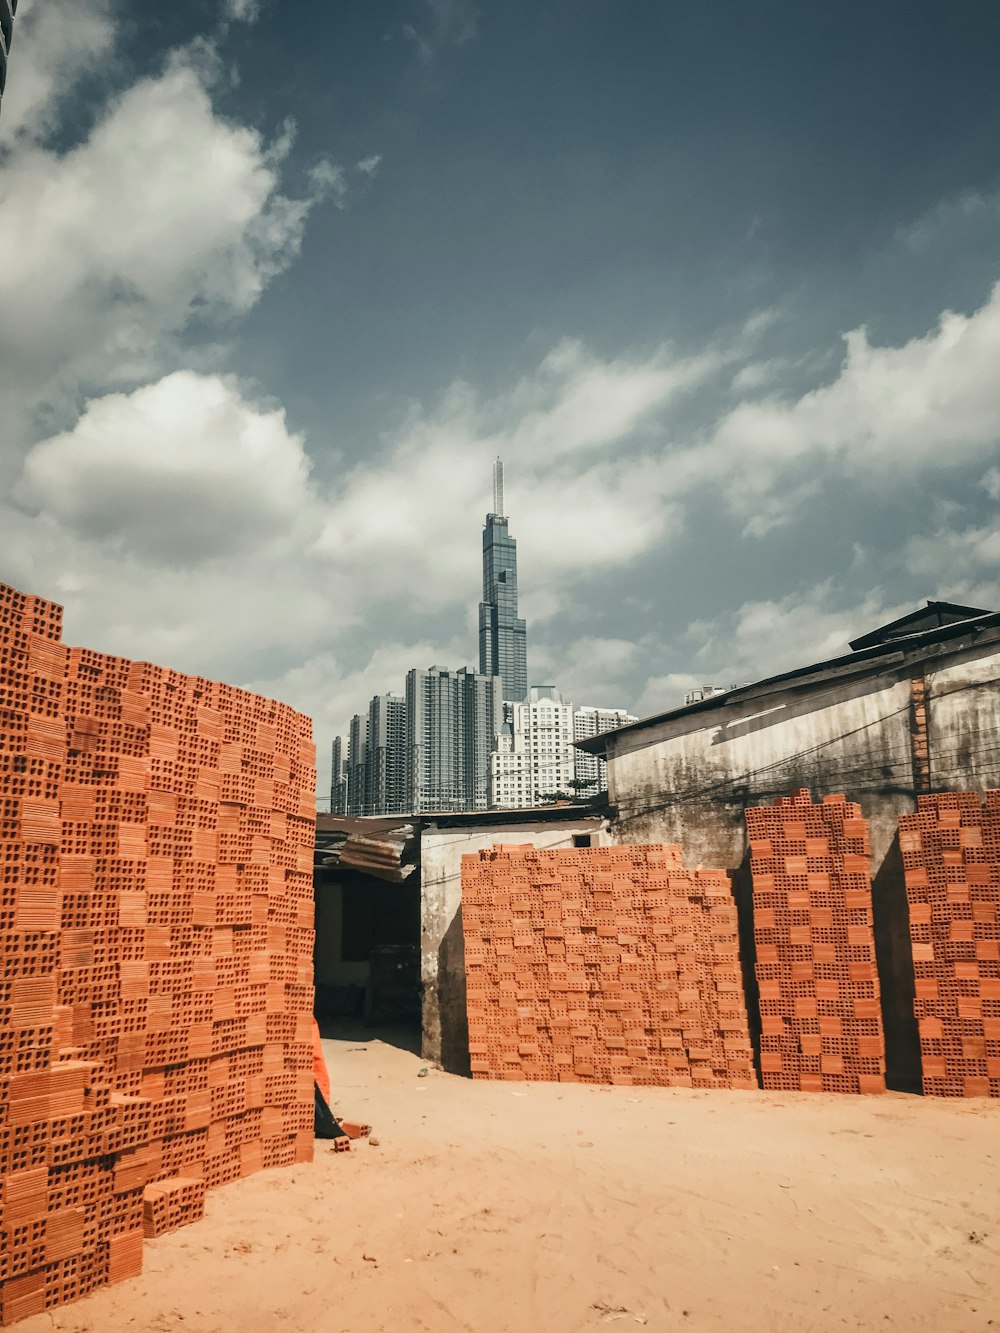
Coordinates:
<point>442,948</point>
<point>964,724</point>
<point>688,779</point>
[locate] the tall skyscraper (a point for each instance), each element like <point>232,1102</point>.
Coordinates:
<point>502,636</point>
<point>338,778</point>
<point>468,740</point>
<point>8,8</point>
<point>357,758</point>
<point>452,720</point>
<point>385,759</point>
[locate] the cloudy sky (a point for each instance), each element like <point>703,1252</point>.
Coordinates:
<point>718,280</point>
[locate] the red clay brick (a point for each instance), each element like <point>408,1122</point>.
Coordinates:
<point>131,943</point>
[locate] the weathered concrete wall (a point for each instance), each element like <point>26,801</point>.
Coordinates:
<point>442,949</point>
<point>688,780</point>
<point>963,715</point>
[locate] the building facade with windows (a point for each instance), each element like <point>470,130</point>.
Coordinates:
<point>589,769</point>
<point>426,751</point>
<point>536,759</point>
<point>452,722</point>
<point>357,759</point>
<point>534,755</point>
<point>385,756</point>
<point>338,778</point>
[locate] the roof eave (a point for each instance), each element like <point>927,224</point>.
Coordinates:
<point>802,677</point>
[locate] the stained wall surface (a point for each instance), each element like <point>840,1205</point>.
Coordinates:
<point>695,772</point>
<point>156,933</point>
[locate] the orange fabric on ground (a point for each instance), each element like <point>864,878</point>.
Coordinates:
<point>319,1065</point>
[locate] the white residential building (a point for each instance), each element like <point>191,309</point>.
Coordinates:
<point>535,750</point>
<point>594,722</point>
<point>535,756</point>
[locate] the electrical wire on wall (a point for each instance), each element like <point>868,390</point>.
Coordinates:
<point>861,777</point>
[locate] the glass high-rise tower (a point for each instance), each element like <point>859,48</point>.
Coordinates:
<point>452,720</point>
<point>502,635</point>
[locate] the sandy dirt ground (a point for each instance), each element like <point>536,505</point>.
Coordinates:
<point>539,1208</point>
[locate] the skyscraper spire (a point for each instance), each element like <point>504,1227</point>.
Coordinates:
<point>498,487</point>
<point>502,637</point>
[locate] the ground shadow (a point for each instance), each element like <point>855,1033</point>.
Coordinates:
<point>894,958</point>
<point>404,1036</point>
<point>452,1000</point>
<point>742,881</point>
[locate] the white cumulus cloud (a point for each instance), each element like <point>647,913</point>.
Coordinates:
<point>180,471</point>
<point>58,42</point>
<point>559,431</point>
<point>929,405</point>
<point>167,213</point>
<point>241,11</point>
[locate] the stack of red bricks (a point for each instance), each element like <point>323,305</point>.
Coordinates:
<point>951,859</point>
<point>156,937</point>
<point>821,1018</point>
<point>603,965</point>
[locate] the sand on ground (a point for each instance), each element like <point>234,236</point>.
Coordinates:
<point>493,1207</point>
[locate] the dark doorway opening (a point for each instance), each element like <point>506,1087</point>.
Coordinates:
<point>367,956</point>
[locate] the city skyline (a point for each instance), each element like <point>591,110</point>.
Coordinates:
<point>719,285</point>
<point>458,739</point>
<point>451,743</point>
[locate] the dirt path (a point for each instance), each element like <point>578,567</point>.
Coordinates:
<point>540,1208</point>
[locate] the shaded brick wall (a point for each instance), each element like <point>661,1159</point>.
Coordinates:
<point>820,1011</point>
<point>603,964</point>
<point>618,965</point>
<point>951,859</point>
<point>156,928</point>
